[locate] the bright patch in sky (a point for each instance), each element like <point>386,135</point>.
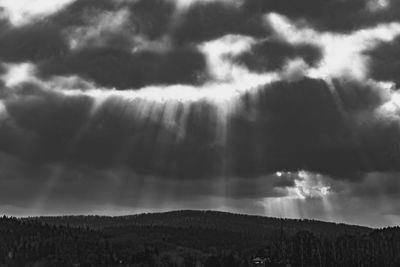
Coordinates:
<point>23,11</point>
<point>99,27</point>
<point>392,106</point>
<point>3,111</point>
<point>377,5</point>
<point>183,4</point>
<point>18,73</point>
<point>343,54</point>
<point>228,81</point>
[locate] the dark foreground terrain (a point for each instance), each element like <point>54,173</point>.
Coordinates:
<point>193,238</point>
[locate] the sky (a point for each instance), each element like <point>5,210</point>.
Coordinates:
<point>269,107</point>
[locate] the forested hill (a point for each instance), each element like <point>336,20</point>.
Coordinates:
<point>208,220</point>
<point>192,239</point>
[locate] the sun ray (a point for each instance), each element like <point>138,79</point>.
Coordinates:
<point>39,205</point>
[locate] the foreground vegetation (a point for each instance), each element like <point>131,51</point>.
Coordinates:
<point>190,238</point>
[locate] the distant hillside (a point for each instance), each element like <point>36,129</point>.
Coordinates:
<point>221,221</point>
<point>192,239</point>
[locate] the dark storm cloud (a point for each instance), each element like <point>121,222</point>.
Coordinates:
<point>385,61</point>
<point>36,42</point>
<point>151,18</point>
<point>357,97</point>
<point>207,21</point>
<point>105,55</point>
<point>116,136</point>
<point>329,15</point>
<point>40,126</point>
<point>110,67</point>
<point>49,128</point>
<point>147,19</point>
<point>271,55</point>
<point>288,126</point>
<point>43,127</point>
<point>76,14</point>
<point>308,8</point>
<point>377,185</point>
<point>113,64</point>
<point>210,20</point>
<point>3,70</point>
<point>304,125</point>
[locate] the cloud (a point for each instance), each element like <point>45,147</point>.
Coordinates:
<point>271,55</point>
<point>330,15</point>
<point>309,9</point>
<point>385,62</point>
<point>115,68</point>
<point>342,54</point>
<point>204,21</point>
<point>41,125</point>
<point>3,69</point>
<point>83,39</point>
<point>340,200</point>
<point>35,42</point>
<point>136,46</point>
<point>81,11</point>
<point>334,129</point>
<point>46,127</point>
<point>153,18</point>
<point>360,96</point>
<point>309,125</point>
<point>24,11</point>
<point>149,19</point>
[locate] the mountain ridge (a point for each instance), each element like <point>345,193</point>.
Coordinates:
<point>207,219</point>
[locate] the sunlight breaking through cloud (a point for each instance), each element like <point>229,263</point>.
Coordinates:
<point>18,73</point>
<point>343,53</point>
<point>283,108</point>
<point>22,12</point>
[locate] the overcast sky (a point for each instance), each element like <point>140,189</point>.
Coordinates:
<point>270,107</point>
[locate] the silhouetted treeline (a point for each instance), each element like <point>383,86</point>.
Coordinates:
<point>30,242</point>
<point>210,220</point>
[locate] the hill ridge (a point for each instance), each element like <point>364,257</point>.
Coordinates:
<point>195,211</point>
<point>207,219</point>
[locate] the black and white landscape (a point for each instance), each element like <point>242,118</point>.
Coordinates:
<point>279,108</point>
